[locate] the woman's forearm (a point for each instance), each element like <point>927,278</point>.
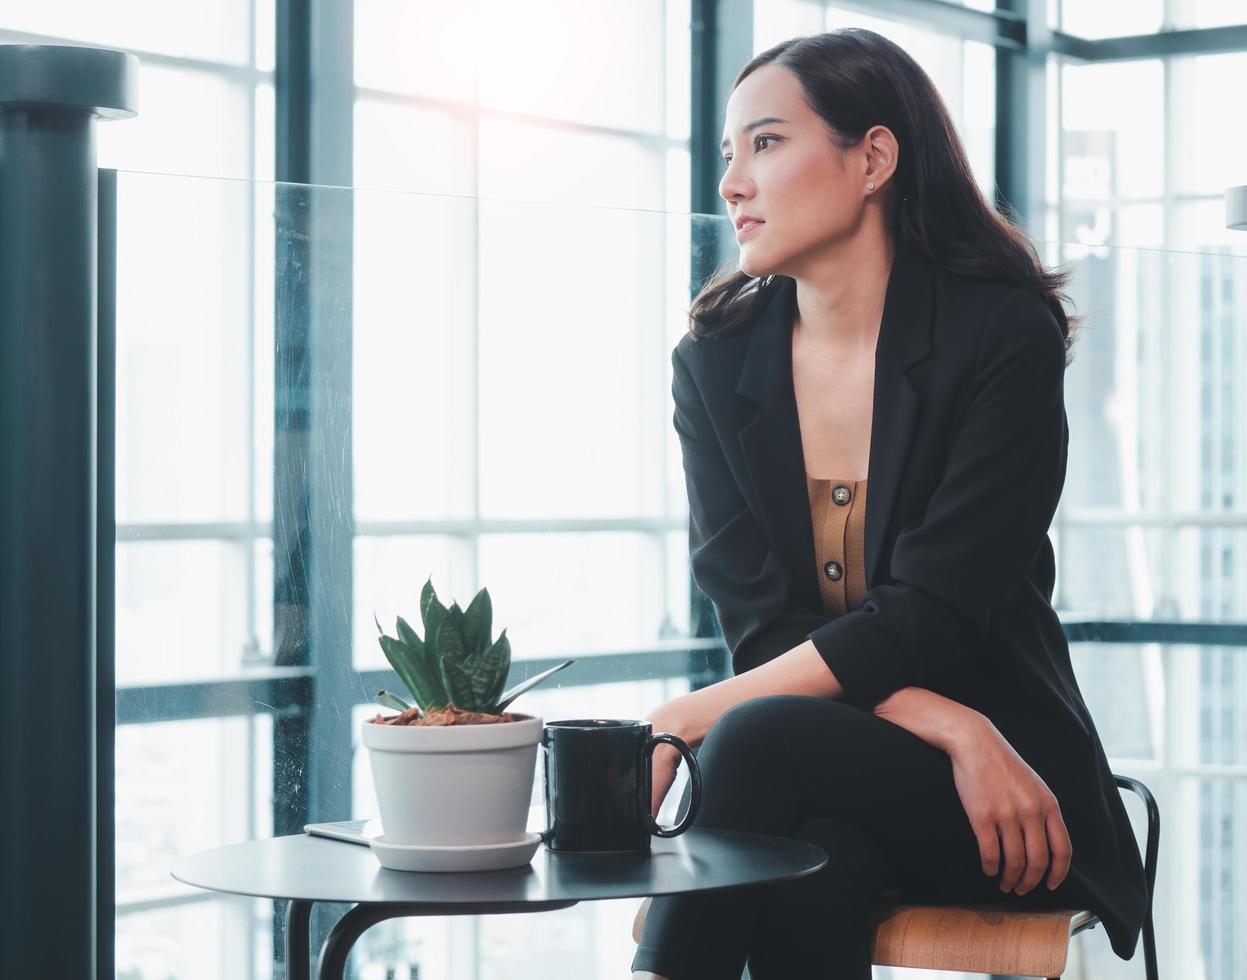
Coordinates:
<point>799,671</point>
<point>935,719</point>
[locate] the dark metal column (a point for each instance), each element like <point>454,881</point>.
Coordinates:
<point>312,505</point>
<point>1021,118</point>
<point>106,579</point>
<point>50,97</point>
<point>721,33</point>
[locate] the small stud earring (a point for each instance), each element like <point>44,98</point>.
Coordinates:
<point>870,185</point>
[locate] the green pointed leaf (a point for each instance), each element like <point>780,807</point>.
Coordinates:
<point>450,645</point>
<point>434,617</point>
<point>380,631</point>
<point>402,663</point>
<point>422,679</point>
<point>532,682</point>
<point>408,636</point>
<point>458,685</point>
<point>498,656</point>
<point>455,615</point>
<point>428,596</point>
<point>391,701</point>
<point>479,622</point>
<point>483,667</point>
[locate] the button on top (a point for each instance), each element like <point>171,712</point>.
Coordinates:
<point>833,570</point>
<point>841,494</point>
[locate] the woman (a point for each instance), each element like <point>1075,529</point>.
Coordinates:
<point>903,694</point>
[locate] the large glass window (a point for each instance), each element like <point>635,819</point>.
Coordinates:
<point>511,229</point>
<point>474,99</point>
<point>1151,521</point>
<point>193,577</point>
<point>447,474</point>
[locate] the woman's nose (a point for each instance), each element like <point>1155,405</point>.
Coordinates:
<point>732,184</point>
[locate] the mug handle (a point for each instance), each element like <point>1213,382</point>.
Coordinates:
<point>548,833</point>
<point>647,785</point>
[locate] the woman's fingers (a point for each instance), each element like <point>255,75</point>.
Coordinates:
<point>1062,847</point>
<point>1035,835</point>
<point>665,766</point>
<point>1015,854</point>
<point>989,847</point>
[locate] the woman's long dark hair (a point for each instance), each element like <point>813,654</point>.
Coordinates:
<point>855,79</point>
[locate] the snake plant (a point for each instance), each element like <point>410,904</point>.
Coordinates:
<point>455,662</point>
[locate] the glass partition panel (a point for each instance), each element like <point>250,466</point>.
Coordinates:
<point>326,396</point>
<point>1151,519</point>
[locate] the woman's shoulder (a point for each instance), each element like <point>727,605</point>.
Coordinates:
<point>986,295</point>
<point>998,313</point>
<point>769,304</point>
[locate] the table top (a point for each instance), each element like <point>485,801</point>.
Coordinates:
<point>318,869</point>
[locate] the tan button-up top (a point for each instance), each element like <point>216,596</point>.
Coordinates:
<point>838,513</point>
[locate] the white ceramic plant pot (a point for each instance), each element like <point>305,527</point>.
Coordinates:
<point>454,785</point>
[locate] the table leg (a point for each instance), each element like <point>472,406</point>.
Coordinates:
<point>345,932</point>
<point>359,919</point>
<point>298,954</point>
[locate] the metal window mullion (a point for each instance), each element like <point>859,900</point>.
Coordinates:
<point>330,324</point>
<point>249,468</point>
<point>1100,517</point>
<point>472,541</point>
<point>1160,44</point>
<point>251,643</point>
<point>106,575</point>
<point>240,530</point>
<point>1003,28</point>
<point>240,73</point>
<point>721,38</point>
<point>1021,117</point>
<point>662,357</point>
<point>469,114</point>
<point>291,97</point>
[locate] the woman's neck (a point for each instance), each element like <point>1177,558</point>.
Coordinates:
<point>840,305</point>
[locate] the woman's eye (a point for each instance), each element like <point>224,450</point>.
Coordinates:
<point>728,159</point>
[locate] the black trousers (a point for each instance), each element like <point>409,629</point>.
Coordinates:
<point>878,799</point>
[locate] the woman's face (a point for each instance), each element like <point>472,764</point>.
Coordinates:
<point>809,195</point>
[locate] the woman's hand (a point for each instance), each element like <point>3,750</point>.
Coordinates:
<point>666,718</point>
<point>1004,797</point>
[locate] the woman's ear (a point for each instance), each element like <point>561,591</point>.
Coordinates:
<point>881,156</point>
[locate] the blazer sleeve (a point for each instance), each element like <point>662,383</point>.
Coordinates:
<point>729,554</point>
<point>984,525</point>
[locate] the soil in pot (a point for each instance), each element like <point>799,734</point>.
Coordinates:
<point>449,715</point>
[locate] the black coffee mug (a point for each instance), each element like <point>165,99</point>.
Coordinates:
<point>599,784</point>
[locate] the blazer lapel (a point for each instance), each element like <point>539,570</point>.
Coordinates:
<point>771,438</point>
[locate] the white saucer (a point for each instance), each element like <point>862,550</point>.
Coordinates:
<point>467,857</point>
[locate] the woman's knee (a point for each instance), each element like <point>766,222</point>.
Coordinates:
<point>775,719</point>
<point>855,859</point>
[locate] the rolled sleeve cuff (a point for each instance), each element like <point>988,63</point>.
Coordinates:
<point>864,654</point>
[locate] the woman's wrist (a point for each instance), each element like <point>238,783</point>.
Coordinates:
<point>967,727</point>
<point>939,721</point>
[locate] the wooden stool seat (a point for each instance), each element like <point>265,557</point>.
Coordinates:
<point>966,938</point>
<point>977,938</point>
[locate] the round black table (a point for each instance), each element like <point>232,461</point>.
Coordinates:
<point>306,869</point>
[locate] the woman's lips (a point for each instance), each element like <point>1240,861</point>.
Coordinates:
<point>747,227</point>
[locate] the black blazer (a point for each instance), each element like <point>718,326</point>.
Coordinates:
<point>967,462</point>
